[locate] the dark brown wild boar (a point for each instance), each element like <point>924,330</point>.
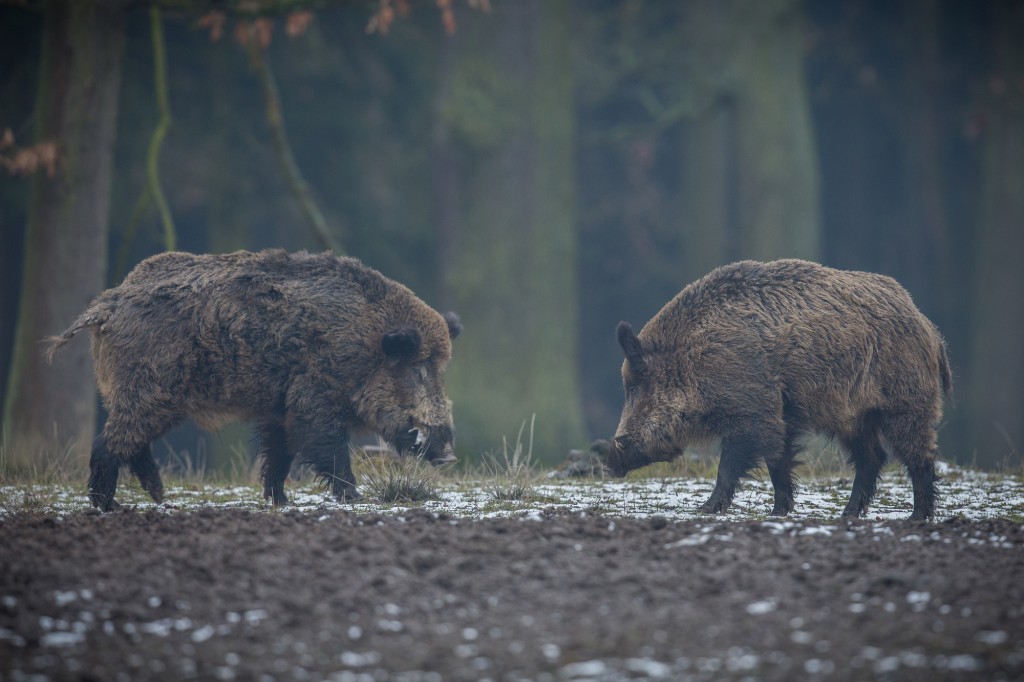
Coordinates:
<point>309,347</point>
<point>758,354</point>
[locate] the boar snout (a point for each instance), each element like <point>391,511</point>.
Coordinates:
<point>623,456</point>
<point>444,455</point>
<point>433,444</point>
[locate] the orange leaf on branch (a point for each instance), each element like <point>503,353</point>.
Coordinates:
<point>382,19</point>
<point>257,32</point>
<point>447,16</point>
<point>297,23</point>
<point>214,21</point>
<point>28,160</point>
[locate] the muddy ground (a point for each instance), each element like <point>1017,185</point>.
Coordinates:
<point>227,594</point>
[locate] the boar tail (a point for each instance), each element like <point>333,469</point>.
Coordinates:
<point>94,316</point>
<point>945,373</point>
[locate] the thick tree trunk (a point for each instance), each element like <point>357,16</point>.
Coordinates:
<point>996,373</point>
<point>66,242</point>
<point>515,281</point>
<point>709,191</point>
<point>778,167</point>
<point>751,180</point>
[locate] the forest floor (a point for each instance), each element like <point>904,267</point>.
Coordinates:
<point>582,580</point>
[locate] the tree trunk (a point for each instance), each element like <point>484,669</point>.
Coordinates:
<point>20,34</point>
<point>515,274</point>
<point>66,240</point>
<point>778,168</point>
<point>751,171</point>
<point>995,380</point>
<point>709,219</point>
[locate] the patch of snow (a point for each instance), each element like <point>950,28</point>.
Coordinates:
<point>62,598</point>
<point>918,597</point>
<point>646,666</point>
<point>759,608</point>
<point>689,541</point>
<point>353,659</point>
<point>61,638</point>
<point>584,669</point>
<point>991,637</point>
<point>202,634</point>
<point>966,493</point>
<point>12,637</point>
<point>551,651</point>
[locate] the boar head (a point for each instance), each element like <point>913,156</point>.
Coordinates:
<point>405,401</point>
<point>661,410</point>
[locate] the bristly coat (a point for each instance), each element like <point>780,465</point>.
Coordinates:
<point>759,354</point>
<point>309,347</point>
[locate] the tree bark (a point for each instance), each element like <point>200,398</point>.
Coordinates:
<point>515,275</point>
<point>996,373</point>
<point>751,172</point>
<point>51,407</point>
<point>778,176</point>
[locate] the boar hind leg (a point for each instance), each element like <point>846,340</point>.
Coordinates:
<point>104,467</point>
<point>146,470</point>
<point>103,471</point>
<point>867,457</point>
<point>125,440</point>
<point>912,441</point>
<point>739,455</point>
<point>277,461</point>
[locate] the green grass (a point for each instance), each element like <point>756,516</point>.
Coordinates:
<point>390,480</point>
<point>512,477</point>
<point>508,480</point>
<point>41,464</point>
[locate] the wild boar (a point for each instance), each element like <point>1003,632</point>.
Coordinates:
<point>312,348</point>
<point>759,354</point>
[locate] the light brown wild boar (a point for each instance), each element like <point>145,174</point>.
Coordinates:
<point>759,354</point>
<point>310,347</point>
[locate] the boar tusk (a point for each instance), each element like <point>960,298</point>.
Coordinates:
<point>420,444</point>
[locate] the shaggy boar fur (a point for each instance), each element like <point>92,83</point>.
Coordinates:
<point>309,347</point>
<point>758,354</point>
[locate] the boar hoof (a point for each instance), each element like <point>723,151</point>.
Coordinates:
<point>713,506</point>
<point>780,510</point>
<point>348,495</point>
<point>276,497</point>
<point>104,503</point>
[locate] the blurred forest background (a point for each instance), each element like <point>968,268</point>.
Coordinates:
<point>544,167</point>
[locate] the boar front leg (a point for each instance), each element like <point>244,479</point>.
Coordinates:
<point>327,454</point>
<point>740,454</point>
<point>277,461</point>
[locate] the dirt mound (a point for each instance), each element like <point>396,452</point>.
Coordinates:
<point>222,594</point>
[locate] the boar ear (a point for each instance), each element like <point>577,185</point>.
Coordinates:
<point>403,342</point>
<point>631,345</point>
<point>454,324</point>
